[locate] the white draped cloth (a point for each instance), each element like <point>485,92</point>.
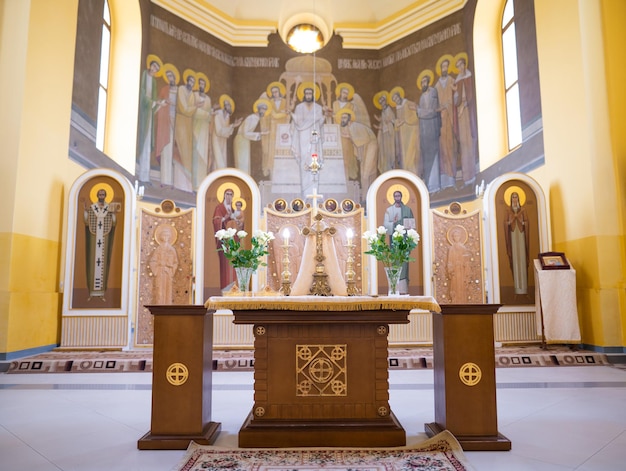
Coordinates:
<point>555,299</point>
<point>302,284</point>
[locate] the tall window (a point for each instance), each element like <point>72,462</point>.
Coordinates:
<point>103,88</point>
<point>511,85</point>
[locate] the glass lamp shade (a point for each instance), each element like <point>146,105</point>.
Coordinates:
<point>305,38</point>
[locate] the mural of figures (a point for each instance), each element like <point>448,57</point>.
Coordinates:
<point>222,130</point>
<point>517,237</point>
<point>148,106</point>
<point>247,133</point>
<point>100,220</point>
<point>429,131</point>
<point>387,158</point>
<point>201,130</point>
<point>407,130</point>
<point>276,114</point>
<point>400,214</point>
<point>447,138</point>
<point>165,121</point>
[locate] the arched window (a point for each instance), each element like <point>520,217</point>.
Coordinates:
<point>511,84</point>
<point>103,88</point>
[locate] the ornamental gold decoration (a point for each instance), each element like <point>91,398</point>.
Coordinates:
<point>470,374</point>
<point>177,374</point>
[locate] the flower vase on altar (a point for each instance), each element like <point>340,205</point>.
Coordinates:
<point>243,278</point>
<point>393,276</point>
<point>245,261</point>
<point>392,254</point>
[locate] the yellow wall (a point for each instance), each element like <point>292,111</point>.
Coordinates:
<point>34,126</point>
<point>579,174</point>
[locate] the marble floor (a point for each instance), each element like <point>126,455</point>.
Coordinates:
<point>557,418</point>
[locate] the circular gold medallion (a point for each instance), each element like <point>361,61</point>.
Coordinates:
<point>177,374</point>
<point>470,374</point>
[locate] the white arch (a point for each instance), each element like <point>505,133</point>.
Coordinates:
<point>425,230</point>
<point>201,223</point>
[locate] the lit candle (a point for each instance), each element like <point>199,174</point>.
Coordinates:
<point>349,235</point>
<point>286,236</point>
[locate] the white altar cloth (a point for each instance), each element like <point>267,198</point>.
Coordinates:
<point>555,297</point>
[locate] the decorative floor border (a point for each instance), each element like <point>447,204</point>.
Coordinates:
<point>399,359</point>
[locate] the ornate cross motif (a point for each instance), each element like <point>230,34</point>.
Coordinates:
<point>320,286</point>
<point>315,196</point>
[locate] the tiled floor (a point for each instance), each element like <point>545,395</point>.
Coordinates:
<point>557,418</point>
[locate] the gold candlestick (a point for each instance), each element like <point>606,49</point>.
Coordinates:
<point>350,273</point>
<point>286,274</point>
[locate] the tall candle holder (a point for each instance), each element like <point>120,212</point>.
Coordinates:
<point>350,273</point>
<point>286,274</point>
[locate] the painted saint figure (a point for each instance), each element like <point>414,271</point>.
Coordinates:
<point>100,224</point>
<point>201,131</point>
<point>364,144</point>
<point>223,218</point>
<point>183,131</point>
<point>466,121</point>
<point>458,264</point>
<point>248,133</point>
<point>306,128</point>
<point>397,214</point>
<point>407,129</point>
<point>517,237</point>
<point>163,264</point>
<point>222,130</point>
<point>165,121</point>
<point>276,115</point>
<point>429,130</point>
<point>148,106</point>
<point>447,139</point>
<point>386,132</point>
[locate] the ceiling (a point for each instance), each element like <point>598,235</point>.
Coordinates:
<point>363,24</point>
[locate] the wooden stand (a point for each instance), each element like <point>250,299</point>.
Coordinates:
<point>464,373</point>
<point>321,379</point>
<point>181,379</point>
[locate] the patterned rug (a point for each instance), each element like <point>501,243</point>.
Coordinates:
<point>60,361</point>
<point>439,453</point>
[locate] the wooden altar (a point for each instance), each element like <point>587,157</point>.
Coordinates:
<point>320,368</point>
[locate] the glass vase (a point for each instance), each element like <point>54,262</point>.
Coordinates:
<point>243,278</point>
<point>393,276</point>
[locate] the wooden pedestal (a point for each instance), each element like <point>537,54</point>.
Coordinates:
<point>181,379</point>
<point>464,373</point>
<point>321,379</point>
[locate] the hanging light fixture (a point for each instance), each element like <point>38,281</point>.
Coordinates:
<point>305,38</point>
<point>305,32</point>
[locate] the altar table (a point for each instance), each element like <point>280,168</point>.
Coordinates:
<point>320,368</point>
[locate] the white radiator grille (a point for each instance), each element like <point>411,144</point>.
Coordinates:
<point>94,332</point>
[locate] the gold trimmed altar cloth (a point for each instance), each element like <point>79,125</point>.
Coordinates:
<point>323,303</point>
